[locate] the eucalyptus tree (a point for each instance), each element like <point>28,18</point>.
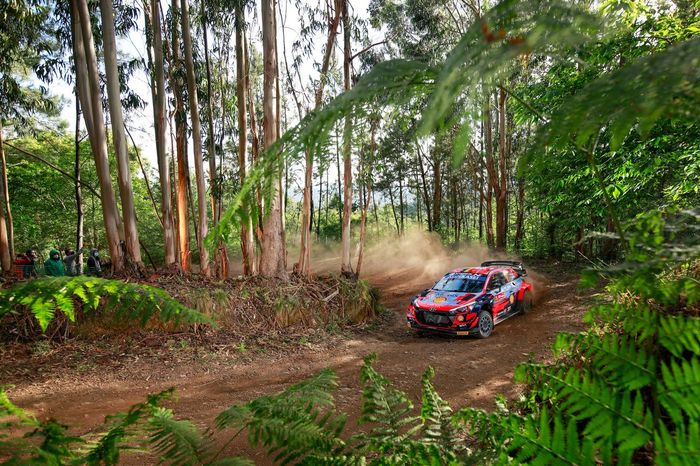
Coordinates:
<point>272,259</point>
<point>176,85</point>
<point>346,238</point>
<point>154,36</point>
<point>89,93</point>
<point>109,41</point>
<point>196,136</point>
<point>247,240</point>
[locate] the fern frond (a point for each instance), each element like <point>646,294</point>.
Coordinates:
<point>178,442</point>
<point>605,409</point>
<point>107,449</point>
<point>618,358</point>
<point>125,300</point>
<point>680,448</point>
<point>548,439</point>
<point>295,424</point>
<point>436,415</point>
<point>389,410</point>
<point>680,392</point>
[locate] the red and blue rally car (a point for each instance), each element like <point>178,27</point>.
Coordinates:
<point>472,301</point>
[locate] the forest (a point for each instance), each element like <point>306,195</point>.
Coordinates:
<point>258,189</point>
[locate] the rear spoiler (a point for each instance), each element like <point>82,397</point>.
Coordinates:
<point>517,266</point>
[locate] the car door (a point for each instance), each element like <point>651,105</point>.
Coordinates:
<point>496,288</point>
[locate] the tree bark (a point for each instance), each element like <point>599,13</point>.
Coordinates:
<point>305,247</point>
<point>367,172</point>
<point>221,257</point>
<point>272,258</point>
<point>346,234</point>
<point>491,173</point>
<point>247,240</point>
<point>437,190</point>
<point>6,246</point>
<point>426,196</point>
<point>109,42</point>
<point>84,52</point>
<point>196,137</point>
<point>501,188</point>
<point>78,193</point>
<point>160,124</point>
<point>183,230</point>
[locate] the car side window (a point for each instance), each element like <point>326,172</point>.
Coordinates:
<point>496,281</point>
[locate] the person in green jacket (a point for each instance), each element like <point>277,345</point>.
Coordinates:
<point>54,265</point>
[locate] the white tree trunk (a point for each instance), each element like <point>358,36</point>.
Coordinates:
<point>89,88</point>
<point>131,234</point>
<point>247,241</point>
<point>161,124</point>
<point>196,137</point>
<point>346,234</point>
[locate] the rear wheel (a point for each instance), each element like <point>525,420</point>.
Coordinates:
<point>485,324</point>
<point>526,303</point>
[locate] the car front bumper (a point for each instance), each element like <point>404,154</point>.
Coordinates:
<point>458,331</point>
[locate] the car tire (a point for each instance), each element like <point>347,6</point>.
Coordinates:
<point>526,303</point>
<point>485,324</point>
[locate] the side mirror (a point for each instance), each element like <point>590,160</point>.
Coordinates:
<point>424,292</point>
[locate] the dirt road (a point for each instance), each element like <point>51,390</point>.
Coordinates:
<point>469,371</point>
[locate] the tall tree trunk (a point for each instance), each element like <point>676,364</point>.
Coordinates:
<point>367,172</point>
<point>254,147</point>
<point>520,216</point>
<point>426,196</point>
<point>273,249</point>
<point>160,124</point>
<point>6,246</point>
<point>109,41</point>
<point>247,240</point>
<point>183,222</point>
<point>401,206</point>
<point>502,183</point>
<point>305,247</point>
<point>196,137</point>
<point>221,257</point>
<point>491,173</point>
<point>78,193</point>
<point>346,234</point>
<point>88,81</point>
<point>437,190</point>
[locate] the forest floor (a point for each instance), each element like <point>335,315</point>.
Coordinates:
<point>79,385</point>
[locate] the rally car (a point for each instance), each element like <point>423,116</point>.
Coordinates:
<point>472,301</point>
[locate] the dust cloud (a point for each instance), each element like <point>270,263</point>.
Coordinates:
<point>403,265</point>
<point>408,264</point>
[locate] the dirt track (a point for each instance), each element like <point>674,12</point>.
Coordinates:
<point>469,371</point>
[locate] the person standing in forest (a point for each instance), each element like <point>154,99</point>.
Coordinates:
<point>93,262</point>
<point>70,261</point>
<point>53,267</point>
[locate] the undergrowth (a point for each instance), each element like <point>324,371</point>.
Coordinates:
<point>625,391</point>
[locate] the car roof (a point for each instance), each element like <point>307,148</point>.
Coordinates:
<point>480,270</point>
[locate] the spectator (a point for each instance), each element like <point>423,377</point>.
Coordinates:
<point>29,267</point>
<point>93,262</point>
<point>21,262</point>
<point>70,260</point>
<point>53,267</point>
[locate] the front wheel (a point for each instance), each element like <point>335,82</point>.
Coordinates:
<point>485,324</point>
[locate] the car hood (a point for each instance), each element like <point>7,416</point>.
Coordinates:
<point>444,300</point>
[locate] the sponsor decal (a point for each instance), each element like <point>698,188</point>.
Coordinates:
<point>440,299</point>
<point>512,298</point>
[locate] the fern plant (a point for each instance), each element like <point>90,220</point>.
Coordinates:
<point>46,296</point>
<point>627,390</point>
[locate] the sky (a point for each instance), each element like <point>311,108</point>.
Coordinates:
<point>140,122</point>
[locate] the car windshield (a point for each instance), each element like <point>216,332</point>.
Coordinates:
<point>460,282</point>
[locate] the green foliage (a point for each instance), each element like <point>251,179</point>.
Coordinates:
<point>627,389</point>
<point>136,302</point>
